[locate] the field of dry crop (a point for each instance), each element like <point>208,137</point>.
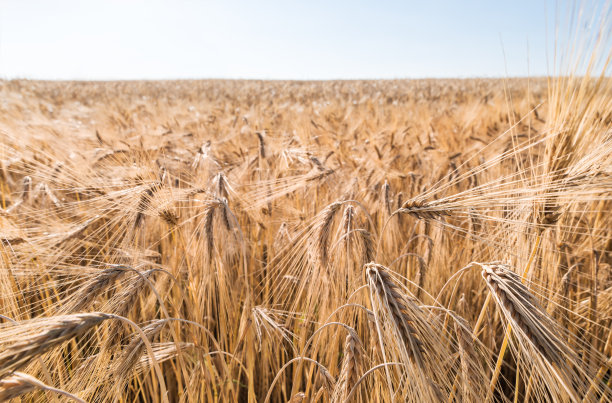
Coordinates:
<point>357,241</point>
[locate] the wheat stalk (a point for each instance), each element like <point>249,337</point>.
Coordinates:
<point>423,210</point>
<point>524,312</point>
<point>19,384</point>
<point>351,368</point>
<point>399,309</point>
<point>22,344</point>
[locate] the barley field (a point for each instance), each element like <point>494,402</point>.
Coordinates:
<point>276,241</point>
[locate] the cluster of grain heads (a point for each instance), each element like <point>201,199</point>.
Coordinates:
<point>236,223</point>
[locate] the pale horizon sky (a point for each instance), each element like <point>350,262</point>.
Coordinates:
<point>133,39</point>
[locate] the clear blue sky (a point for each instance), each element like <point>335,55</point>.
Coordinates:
<point>130,39</point>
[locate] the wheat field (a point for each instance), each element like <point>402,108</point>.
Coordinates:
<point>276,241</point>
